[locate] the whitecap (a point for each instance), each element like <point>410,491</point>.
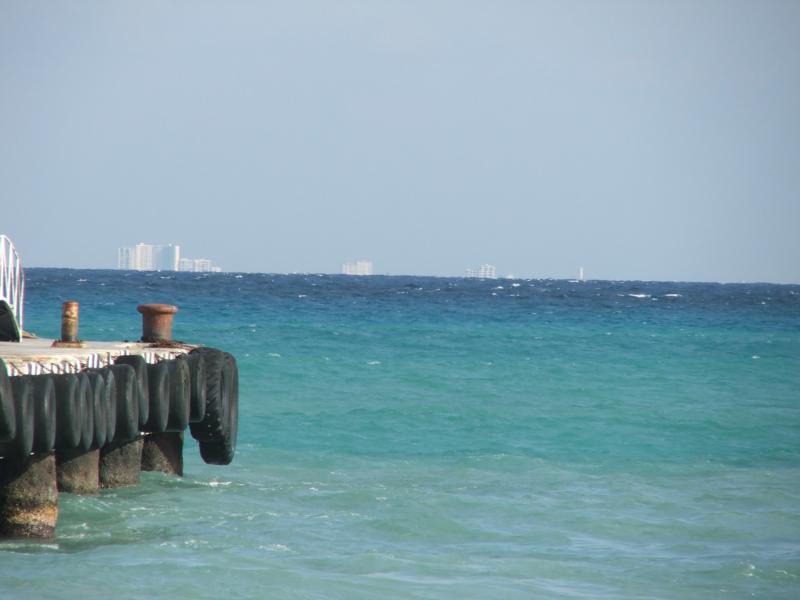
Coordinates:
<point>302,296</point>
<point>639,295</point>
<point>216,483</point>
<point>373,362</point>
<point>515,284</point>
<point>673,295</point>
<point>276,548</point>
<point>274,355</point>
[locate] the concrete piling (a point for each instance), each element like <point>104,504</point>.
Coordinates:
<point>163,452</point>
<point>28,496</point>
<point>78,472</point>
<point>121,464</point>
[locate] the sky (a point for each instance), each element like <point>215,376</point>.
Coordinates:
<point>640,140</point>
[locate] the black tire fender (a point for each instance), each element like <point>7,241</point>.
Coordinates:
<point>86,399</point>
<point>179,394</point>
<point>99,408</point>
<point>142,385</point>
<point>68,411</point>
<point>44,410</point>
<point>125,382</point>
<point>22,391</point>
<point>221,450</point>
<point>197,366</point>
<point>210,427</point>
<point>111,404</point>
<point>158,384</point>
<point>8,419</point>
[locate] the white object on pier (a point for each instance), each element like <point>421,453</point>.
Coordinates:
<point>12,281</point>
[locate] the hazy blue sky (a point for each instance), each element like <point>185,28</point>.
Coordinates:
<point>642,140</point>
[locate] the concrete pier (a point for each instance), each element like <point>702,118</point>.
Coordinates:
<point>74,417</point>
<point>84,460</point>
<point>163,452</point>
<point>78,472</point>
<point>121,464</point>
<point>28,496</point>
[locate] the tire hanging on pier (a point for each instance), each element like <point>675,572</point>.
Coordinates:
<point>142,386</point>
<point>111,404</point>
<point>221,451</point>
<point>158,384</point>
<point>22,444</point>
<point>8,420</point>
<point>44,411</point>
<point>210,426</point>
<point>86,399</point>
<point>179,394</point>
<point>217,431</point>
<point>197,367</point>
<point>69,413</point>
<point>125,381</point>
<point>99,408</point>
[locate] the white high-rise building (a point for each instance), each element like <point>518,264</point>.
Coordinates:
<point>483,272</point>
<point>198,265</point>
<point>359,267</point>
<point>149,257</point>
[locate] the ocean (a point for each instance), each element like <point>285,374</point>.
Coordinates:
<point>415,437</point>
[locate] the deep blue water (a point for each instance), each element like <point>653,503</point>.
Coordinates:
<point>409,437</point>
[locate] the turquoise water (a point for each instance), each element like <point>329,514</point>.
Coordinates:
<point>449,438</point>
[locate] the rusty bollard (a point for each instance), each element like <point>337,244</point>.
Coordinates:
<point>69,327</point>
<point>157,322</point>
<point>160,451</point>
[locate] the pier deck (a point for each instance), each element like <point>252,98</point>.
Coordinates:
<point>35,356</point>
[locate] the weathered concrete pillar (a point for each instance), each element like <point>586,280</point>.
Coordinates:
<point>28,496</point>
<point>121,464</point>
<point>78,472</point>
<point>163,452</point>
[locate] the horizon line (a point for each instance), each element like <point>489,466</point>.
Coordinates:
<point>499,278</point>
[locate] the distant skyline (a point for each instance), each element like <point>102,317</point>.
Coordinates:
<point>640,140</point>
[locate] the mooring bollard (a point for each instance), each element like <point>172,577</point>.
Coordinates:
<point>78,472</point>
<point>121,464</point>
<point>69,326</point>
<point>157,321</point>
<point>28,496</point>
<point>69,321</point>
